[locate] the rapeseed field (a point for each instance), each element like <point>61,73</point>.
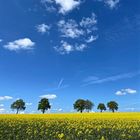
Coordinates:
<point>85,126</point>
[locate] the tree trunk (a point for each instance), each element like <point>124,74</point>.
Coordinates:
<point>101,111</point>
<point>17,111</point>
<point>81,111</point>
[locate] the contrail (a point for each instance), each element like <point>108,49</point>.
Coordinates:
<point>60,82</point>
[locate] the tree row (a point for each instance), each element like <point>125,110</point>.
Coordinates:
<point>80,105</point>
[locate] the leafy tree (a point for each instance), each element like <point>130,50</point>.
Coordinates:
<point>18,105</point>
<point>79,105</point>
<point>112,105</point>
<point>44,105</point>
<point>88,105</point>
<point>101,107</point>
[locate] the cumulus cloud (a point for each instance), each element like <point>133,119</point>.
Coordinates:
<point>67,48</point>
<point>57,110</point>
<point>60,109</point>
<point>48,4</point>
<point>112,3</point>
<point>48,96</point>
<point>5,98</point>
<point>2,110</point>
<point>125,91</point>
<point>67,5</point>
<point>43,28</point>
<point>82,32</point>
<point>29,104</point>
<point>88,22</point>
<point>21,112</point>
<point>44,1</point>
<point>91,39</point>
<point>1,105</point>
<point>70,29</point>
<point>80,47</point>
<point>64,6</point>
<point>20,44</point>
<point>130,108</point>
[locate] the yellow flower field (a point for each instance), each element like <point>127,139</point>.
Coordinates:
<point>86,126</point>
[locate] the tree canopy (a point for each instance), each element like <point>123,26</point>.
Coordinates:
<point>18,105</point>
<point>88,105</point>
<point>81,105</point>
<point>44,105</point>
<point>101,107</point>
<point>112,105</point>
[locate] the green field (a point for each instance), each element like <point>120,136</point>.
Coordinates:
<point>86,126</point>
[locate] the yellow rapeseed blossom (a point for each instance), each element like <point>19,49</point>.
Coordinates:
<point>85,126</point>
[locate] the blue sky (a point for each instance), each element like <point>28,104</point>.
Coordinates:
<point>67,49</point>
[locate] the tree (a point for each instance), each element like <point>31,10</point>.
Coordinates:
<point>44,105</point>
<point>112,105</point>
<point>18,105</point>
<point>79,105</point>
<point>88,105</point>
<point>101,107</point>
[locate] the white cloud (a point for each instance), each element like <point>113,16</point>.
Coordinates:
<point>63,5</point>
<point>21,112</point>
<point>50,8</point>
<point>91,39</point>
<point>130,109</point>
<point>57,109</point>
<point>1,105</point>
<point>48,96</point>
<point>5,98</point>
<point>29,104</point>
<point>2,110</point>
<point>130,91</point>
<point>73,29</point>
<point>48,4</point>
<point>80,33</point>
<point>48,1</point>
<point>1,40</point>
<point>89,21</point>
<point>80,47</point>
<point>65,48</point>
<point>70,28</point>
<point>60,109</point>
<point>20,44</point>
<point>67,5</point>
<point>125,91</point>
<point>43,28</point>
<point>112,3</point>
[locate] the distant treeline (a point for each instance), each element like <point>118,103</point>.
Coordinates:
<point>80,105</point>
